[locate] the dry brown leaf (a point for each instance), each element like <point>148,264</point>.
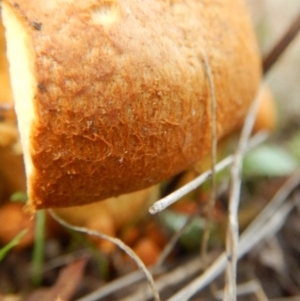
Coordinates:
<point>66,285</point>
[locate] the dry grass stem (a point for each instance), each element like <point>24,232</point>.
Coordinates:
<point>282,44</point>
<point>250,287</point>
<point>115,241</point>
<point>170,199</point>
<point>114,286</point>
<point>214,145</point>
<point>172,242</point>
<point>234,198</point>
<point>246,243</point>
<point>172,279</point>
<point>65,259</point>
<point>281,195</point>
<point>260,294</point>
<point>248,240</point>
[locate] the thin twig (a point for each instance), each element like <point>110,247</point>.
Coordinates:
<point>214,145</point>
<point>165,202</point>
<point>260,228</point>
<point>252,229</point>
<point>234,198</point>
<point>172,242</point>
<point>115,241</point>
<point>250,237</point>
<point>260,294</point>
<point>245,245</point>
<point>282,44</point>
<point>281,195</point>
<point>114,286</point>
<point>172,279</point>
<point>65,259</point>
<point>250,287</point>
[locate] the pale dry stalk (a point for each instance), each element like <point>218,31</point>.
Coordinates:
<point>214,145</point>
<point>115,241</point>
<point>234,197</point>
<point>246,243</point>
<point>173,197</point>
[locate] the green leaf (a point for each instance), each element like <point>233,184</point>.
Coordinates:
<point>269,160</point>
<point>174,221</point>
<point>39,246</point>
<point>19,197</point>
<point>12,244</point>
<point>191,237</point>
<point>294,145</point>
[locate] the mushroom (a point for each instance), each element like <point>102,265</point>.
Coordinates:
<point>112,96</point>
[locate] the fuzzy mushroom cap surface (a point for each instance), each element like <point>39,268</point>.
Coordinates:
<point>112,96</point>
